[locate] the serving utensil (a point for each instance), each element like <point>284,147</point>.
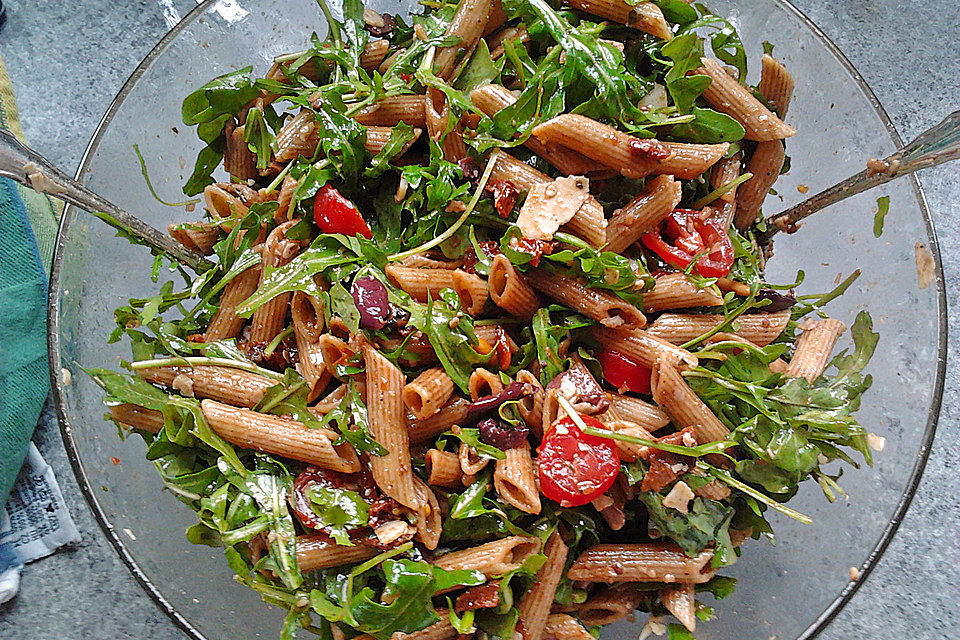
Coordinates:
<point>24,165</point>
<point>936,145</point>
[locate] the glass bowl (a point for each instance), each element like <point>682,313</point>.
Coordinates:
<point>790,590</point>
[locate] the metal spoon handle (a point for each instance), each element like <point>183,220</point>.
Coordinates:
<point>29,168</point>
<point>933,147</point>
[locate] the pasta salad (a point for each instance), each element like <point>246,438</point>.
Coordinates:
<point>488,349</point>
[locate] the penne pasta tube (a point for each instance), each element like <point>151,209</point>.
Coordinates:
<point>393,472</point>
<point>725,207</point>
<point>492,559</point>
<point>284,198</point>
<point>632,157</point>
<point>468,24</point>
<point>329,402</point>
<point>676,397</point>
<point>373,54</point>
<point>681,602</point>
<point>643,214</point>
<point>137,417</point>
<point>497,41</point>
<point>643,414</point>
<point>515,480</point>
<point>307,313</point>
<point>776,84</point>
<point>609,605</point>
<point>421,284</point>
<point>677,291</point>
<point>224,384</point>
<point>238,160</point>
<point>442,630</point>
<point>430,391</point>
<point>311,365</point>
<point>765,164</point>
<point>510,291</point>
<point>536,603</point>
<point>378,137</point>
<point>225,322</point>
<point>561,626</point>
<point>317,551</point>
<point>812,353</point>
<point>429,517</point>
<point>198,237</point>
<point>334,351</point>
<point>437,118</point>
<point>759,328</point>
<point>603,306</point>
<point>454,412</point>
<point>273,434</point>
<point>471,462</point>
<point>224,200</point>
<point>643,562</point>
<point>484,383</point>
<point>297,137</point>
<point>472,291</point>
<point>727,95</point>
<point>531,407</point>
<point>443,469</point>
<point>643,346</point>
<point>645,16</point>
<point>491,334</point>
<point>588,223</point>
<point>391,111</point>
<point>420,261</point>
<point>268,319</point>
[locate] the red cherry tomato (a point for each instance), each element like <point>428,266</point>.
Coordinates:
<point>686,235</point>
<point>333,213</point>
<point>575,467</point>
<point>622,372</point>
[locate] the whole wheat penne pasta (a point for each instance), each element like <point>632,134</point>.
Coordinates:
<point>420,261</point>
<point>373,53</point>
<point>284,198</point>
<point>609,605</point>
<point>491,558</point>
<point>589,222</point>
<point>776,84</point>
<point>298,137</point>
<point>629,451</point>
<point>777,366</point>
<point>443,469</point>
<point>676,397</point>
<point>536,602</point>
<point>224,200</point>
<point>429,517</point>
<point>497,41</point>
<point>311,365</point>
<point>268,320</point>
<point>316,551</point>
<point>484,383</point>
<point>306,313</point>
<point>491,334</point>
<point>491,98</point>
<point>442,630</point>
<point>238,160</point>
<point>603,306</point>
<point>531,407</point>
<point>224,384</point>
<point>561,626</point>
<point>727,95</point>
<point>642,346</point>
<point>814,347</point>
<point>454,412</point>
<point>472,291</point>
<point>645,16</point>
<point>643,562</point>
<point>417,350</point>
<point>515,480</point>
<point>378,137</point>
<point>758,328</point>
<point>437,118</point>
<point>681,602</point>
<point>550,408</point>
<point>765,164</point>
<point>196,236</point>
<point>428,392</point>
<point>393,472</point>
<point>391,111</point>
<point>510,291</point>
<point>677,291</point>
<point>421,284</point>
<point>329,402</point>
<point>725,207</point>
<point>225,322</point>
<point>635,410</point>
<point>335,351</point>
<point>468,23</point>
<point>137,417</point>
<point>643,214</point>
<point>632,157</point>
<point>273,434</point>
<point>471,462</point>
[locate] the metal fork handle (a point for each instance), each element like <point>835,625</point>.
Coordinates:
<point>24,165</point>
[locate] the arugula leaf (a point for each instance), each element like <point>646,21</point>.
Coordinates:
<point>883,206</point>
<point>705,523</point>
<point>677,631</point>
<point>289,397</point>
<point>455,345</point>
<point>401,135</point>
<point>338,509</point>
<point>709,127</point>
<point>258,137</point>
<point>343,305</point>
<point>480,70</point>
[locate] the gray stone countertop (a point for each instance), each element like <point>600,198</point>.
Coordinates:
<point>68,59</point>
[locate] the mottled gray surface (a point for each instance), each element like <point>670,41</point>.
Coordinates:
<point>67,60</point>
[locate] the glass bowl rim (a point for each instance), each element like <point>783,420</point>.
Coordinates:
<point>73,454</point>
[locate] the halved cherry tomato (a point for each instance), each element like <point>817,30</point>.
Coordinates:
<point>333,213</point>
<point>575,467</point>
<point>622,372</point>
<point>687,234</point>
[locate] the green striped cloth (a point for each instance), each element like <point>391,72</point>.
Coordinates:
<point>28,231</point>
